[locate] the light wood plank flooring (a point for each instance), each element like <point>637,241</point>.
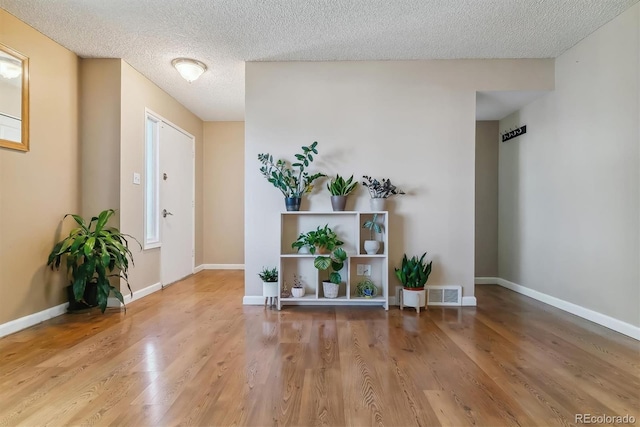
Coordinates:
<point>193,355</point>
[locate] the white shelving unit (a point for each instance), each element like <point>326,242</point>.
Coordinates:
<point>348,227</point>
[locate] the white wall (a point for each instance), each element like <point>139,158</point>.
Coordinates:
<point>412,121</point>
<point>569,217</point>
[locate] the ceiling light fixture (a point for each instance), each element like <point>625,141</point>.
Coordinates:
<point>189,69</point>
<point>9,69</point>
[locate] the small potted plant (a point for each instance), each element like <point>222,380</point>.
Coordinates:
<point>269,278</point>
<point>413,274</point>
<point>334,263</point>
<point>297,290</point>
<point>380,191</point>
<point>293,180</point>
<point>322,240</point>
<point>372,246</point>
<point>340,189</point>
<point>366,289</point>
<point>94,254</point>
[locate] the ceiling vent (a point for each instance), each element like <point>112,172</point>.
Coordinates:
<point>444,295</point>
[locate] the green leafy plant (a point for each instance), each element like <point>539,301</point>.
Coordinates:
<point>335,262</point>
<point>339,187</point>
<point>292,180</point>
<point>318,239</point>
<point>372,226</point>
<point>380,189</point>
<point>269,274</point>
<point>414,272</point>
<point>366,288</point>
<point>94,254</point>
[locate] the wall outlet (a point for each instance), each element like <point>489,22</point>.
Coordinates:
<point>136,178</point>
<point>363,269</point>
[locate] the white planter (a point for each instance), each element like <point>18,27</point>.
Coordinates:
<point>297,292</point>
<point>371,247</point>
<point>378,204</point>
<point>411,298</point>
<point>270,289</point>
<point>330,289</point>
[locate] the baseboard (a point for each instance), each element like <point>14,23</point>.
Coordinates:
<point>593,316</point>
<point>221,267</point>
<point>469,301</point>
<point>141,293</point>
<point>32,319</point>
<point>253,300</point>
<point>198,269</point>
<point>486,280</point>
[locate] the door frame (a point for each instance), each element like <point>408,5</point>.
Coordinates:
<point>149,112</point>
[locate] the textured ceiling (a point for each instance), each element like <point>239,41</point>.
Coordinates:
<point>148,34</point>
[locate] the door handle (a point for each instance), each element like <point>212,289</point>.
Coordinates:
<point>165,213</point>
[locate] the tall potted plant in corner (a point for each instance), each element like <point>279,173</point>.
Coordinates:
<point>293,180</point>
<point>94,254</point>
<point>380,191</point>
<point>413,274</point>
<point>372,246</point>
<point>340,189</point>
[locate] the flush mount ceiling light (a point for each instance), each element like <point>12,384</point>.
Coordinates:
<point>9,69</point>
<point>189,69</point>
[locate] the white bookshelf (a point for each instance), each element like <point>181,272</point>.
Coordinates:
<point>348,227</point>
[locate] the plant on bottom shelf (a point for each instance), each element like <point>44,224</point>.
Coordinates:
<point>317,239</point>
<point>414,272</point>
<point>334,262</point>
<point>366,288</point>
<point>269,274</point>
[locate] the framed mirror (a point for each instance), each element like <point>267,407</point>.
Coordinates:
<point>14,99</point>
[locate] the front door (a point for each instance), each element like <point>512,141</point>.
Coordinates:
<point>176,204</point>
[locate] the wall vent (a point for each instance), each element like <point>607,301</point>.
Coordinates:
<point>444,295</point>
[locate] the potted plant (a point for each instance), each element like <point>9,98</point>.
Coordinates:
<point>365,288</point>
<point>293,180</point>
<point>322,240</point>
<point>379,191</point>
<point>269,278</point>
<point>94,254</point>
<point>413,274</point>
<point>340,189</point>
<point>372,246</point>
<point>297,290</point>
<point>334,262</point>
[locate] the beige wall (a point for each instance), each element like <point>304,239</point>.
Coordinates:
<point>412,121</point>
<point>138,92</point>
<point>223,199</point>
<point>569,189</point>
<point>39,187</point>
<point>486,241</point>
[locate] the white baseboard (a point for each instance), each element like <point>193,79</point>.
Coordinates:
<point>198,269</point>
<point>595,317</point>
<point>141,293</point>
<point>469,301</point>
<point>253,300</point>
<point>220,267</point>
<point>486,280</point>
<point>32,319</point>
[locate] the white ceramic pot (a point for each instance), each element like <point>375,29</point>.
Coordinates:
<point>297,292</point>
<point>371,246</point>
<point>378,204</point>
<point>270,289</point>
<point>413,298</point>
<point>330,289</point>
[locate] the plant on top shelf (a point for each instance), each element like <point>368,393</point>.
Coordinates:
<point>414,272</point>
<point>340,189</point>
<point>269,274</point>
<point>322,239</point>
<point>94,255</point>
<point>372,246</point>
<point>334,262</point>
<point>293,180</point>
<point>380,189</point>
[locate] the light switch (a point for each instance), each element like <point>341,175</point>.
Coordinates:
<point>136,178</point>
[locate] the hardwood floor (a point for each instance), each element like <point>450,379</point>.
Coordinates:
<point>193,355</point>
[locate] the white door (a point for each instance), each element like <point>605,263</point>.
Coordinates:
<point>176,204</point>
